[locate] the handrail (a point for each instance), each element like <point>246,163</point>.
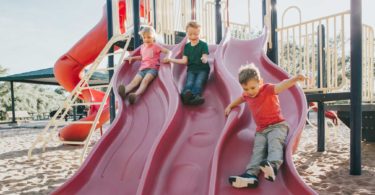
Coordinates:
<point>299,52</point>
<point>82,84</point>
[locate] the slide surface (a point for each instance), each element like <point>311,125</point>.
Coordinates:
<point>234,148</point>
<point>159,146</point>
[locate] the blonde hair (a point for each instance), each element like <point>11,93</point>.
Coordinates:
<point>248,72</point>
<point>192,24</point>
<point>147,29</point>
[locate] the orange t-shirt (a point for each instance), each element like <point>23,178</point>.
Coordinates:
<point>265,107</point>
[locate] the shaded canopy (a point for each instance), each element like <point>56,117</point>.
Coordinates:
<point>46,76</point>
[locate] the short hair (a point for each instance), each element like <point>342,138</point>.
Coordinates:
<point>192,24</point>
<point>147,29</point>
<point>248,72</point>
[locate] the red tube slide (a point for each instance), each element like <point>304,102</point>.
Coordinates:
<point>68,72</point>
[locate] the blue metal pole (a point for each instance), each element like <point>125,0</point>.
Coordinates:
<point>136,21</point>
<point>13,104</point>
<point>219,26</point>
<point>355,86</point>
<point>154,2</point>
<point>321,114</point>
<point>264,12</point>
<point>112,106</point>
<point>272,54</point>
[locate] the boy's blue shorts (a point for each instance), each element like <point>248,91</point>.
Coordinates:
<point>143,72</point>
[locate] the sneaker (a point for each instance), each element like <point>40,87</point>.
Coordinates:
<point>245,180</point>
<point>132,98</point>
<point>197,100</point>
<point>121,91</point>
<point>186,97</point>
<point>269,170</point>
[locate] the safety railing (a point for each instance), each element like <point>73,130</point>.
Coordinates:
<point>240,31</point>
<point>50,130</point>
<point>206,16</point>
<point>317,48</point>
<point>165,26</point>
<point>368,64</point>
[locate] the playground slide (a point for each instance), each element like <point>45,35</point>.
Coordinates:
<point>68,72</point>
<point>116,163</point>
<point>182,160</point>
<point>233,149</point>
<point>159,146</point>
<point>204,148</point>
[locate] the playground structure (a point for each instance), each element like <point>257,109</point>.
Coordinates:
<point>208,13</point>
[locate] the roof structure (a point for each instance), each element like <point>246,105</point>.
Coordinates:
<point>46,76</point>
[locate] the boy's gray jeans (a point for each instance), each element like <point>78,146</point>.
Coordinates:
<point>268,145</point>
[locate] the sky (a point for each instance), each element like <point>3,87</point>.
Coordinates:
<point>35,33</point>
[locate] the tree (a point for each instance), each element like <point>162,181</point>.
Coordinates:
<point>35,99</point>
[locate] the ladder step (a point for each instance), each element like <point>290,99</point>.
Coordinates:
<point>103,69</point>
<point>60,122</point>
<point>94,87</point>
<point>115,53</point>
<point>73,142</point>
<point>86,104</point>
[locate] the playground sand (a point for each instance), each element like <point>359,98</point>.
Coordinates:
<point>326,172</point>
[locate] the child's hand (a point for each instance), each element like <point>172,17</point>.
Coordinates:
<point>166,60</point>
<point>300,77</point>
<point>129,59</point>
<point>204,59</point>
<point>227,110</point>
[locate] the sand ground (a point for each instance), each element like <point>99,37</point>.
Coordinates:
<point>326,172</point>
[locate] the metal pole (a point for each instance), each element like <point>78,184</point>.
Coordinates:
<point>264,11</point>
<point>219,27</point>
<point>321,127</point>
<point>321,113</point>
<point>194,9</point>
<point>355,86</point>
<point>272,54</point>
<point>74,113</point>
<point>112,107</point>
<point>154,2</point>
<point>136,21</point>
<point>13,104</point>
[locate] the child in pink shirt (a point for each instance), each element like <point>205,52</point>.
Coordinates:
<point>271,131</point>
<point>150,54</point>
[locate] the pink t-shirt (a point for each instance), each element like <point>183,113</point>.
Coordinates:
<point>150,56</point>
<point>265,107</point>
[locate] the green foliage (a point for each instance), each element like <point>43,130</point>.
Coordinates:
<point>35,99</point>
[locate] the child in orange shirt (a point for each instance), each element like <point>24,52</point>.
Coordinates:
<point>271,131</point>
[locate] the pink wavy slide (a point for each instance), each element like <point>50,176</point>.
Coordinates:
<point>159,146</point>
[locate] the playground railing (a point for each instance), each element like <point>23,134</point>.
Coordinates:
<point>319,49</point>
<point>368,64</point>
<point>50,130</point>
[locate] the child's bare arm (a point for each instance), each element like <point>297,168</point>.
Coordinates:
<point>235,103</point>
<point>285,84</point>
<point>183,60</point>
<point>168,56</point>
<point>135,58</point>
